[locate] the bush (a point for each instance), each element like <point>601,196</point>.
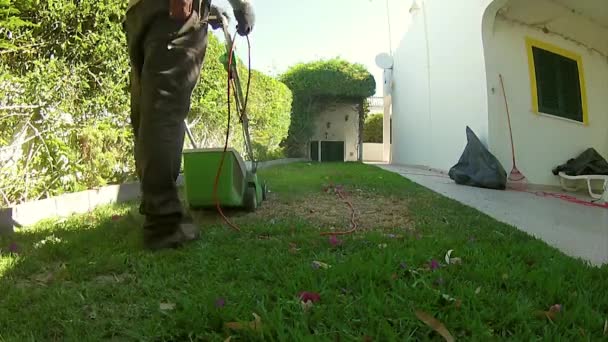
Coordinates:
<point>64,99</point>
<point>372,131</point>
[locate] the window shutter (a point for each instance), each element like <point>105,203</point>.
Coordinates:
<point>558,85</point>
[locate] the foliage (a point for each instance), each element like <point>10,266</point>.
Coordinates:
<point>9,22</point>
<point>372,131</point>
<point>316,84</point>
<point>64,99</point>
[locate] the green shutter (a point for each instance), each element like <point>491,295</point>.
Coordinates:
<point>558,85</point>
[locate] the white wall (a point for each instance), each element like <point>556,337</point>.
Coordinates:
<point>340,129</point>
<point>373,152</point>
<point>440,83</point>
<point>543,142</point>
<point>410,97</point>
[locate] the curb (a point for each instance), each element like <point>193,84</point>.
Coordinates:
<point>30,213</point>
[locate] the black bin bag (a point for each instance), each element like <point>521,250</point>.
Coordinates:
<point>478,167</point>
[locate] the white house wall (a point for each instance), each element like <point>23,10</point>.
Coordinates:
<point>439,83</point>
<point>411,117</point>
<point>343,120</point>
<point>543,142</point>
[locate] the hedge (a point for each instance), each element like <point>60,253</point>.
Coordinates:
<point>64,99</point>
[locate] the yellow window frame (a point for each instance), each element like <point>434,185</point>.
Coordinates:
<point>530,43</point>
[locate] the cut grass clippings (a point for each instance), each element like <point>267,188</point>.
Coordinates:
<point>87,278</point>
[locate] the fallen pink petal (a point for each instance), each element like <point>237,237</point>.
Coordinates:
<point>220,303</point>
<point>310,297</point>
<point>556,308</point>
<point>14,248</point>
<point>434,264</point>
<point>334,241</point>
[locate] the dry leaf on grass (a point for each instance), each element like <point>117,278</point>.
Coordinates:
<point>551,314</point>
<point>435,324</point>
<point>228,339</point>
<point>448,256</point>
<point>293,248</point>
<point>255,325</point>
<point>90,312</point>
<point>456,261</point>
<point>318,264</point>
<point>111,279</point>
<point>167,306</point>
<point>606,327</point>
<point>306,305</point>
<point>43,278</point>
<point>452,261</point>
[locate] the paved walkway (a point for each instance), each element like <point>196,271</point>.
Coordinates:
<point>578,231</point>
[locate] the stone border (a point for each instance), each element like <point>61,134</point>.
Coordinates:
<point>29,213</point>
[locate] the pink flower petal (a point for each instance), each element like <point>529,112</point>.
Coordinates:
<point>434,264</point>
<point>310,297</point>
<point>220,303</point>
<point>14,248</point>
<point>334,241</point>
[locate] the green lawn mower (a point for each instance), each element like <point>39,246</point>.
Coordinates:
<point>219,177</point>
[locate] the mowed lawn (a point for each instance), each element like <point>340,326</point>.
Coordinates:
<point>87,278</point>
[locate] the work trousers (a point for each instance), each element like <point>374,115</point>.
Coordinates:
<point>166,57</point>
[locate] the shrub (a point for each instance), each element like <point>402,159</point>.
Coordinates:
<point>372,131</point>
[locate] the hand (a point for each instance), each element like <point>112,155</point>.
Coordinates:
<point>215,17</point>
<point>245,19</point>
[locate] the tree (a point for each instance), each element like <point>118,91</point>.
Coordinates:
<point>372,132</point>
<point>64,99</point>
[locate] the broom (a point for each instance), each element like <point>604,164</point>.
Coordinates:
<point>516,179</point>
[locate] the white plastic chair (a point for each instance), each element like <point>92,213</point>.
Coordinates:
<point>565,180</point>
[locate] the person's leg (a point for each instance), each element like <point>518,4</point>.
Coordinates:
<point>173,52</point>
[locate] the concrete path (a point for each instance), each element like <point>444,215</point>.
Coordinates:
<point>578,231</point>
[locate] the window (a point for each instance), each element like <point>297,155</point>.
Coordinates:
<point>558,86</point>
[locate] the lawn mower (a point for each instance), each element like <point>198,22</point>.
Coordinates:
<point>219,177</point>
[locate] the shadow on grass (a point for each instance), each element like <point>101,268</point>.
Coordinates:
<point>89,277</point>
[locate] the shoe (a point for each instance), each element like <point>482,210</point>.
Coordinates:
<point>184,234</point>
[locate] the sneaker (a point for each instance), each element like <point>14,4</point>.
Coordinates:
<point>184,234</point>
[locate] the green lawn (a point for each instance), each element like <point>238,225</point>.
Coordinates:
<point>87,278</point>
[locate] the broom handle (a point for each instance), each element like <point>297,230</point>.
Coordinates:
<point>508,118</point>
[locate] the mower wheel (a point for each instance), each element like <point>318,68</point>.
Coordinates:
<point>250,199</point>
<point>264,191</point>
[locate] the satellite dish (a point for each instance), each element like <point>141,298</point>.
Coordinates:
<point>384,61</point>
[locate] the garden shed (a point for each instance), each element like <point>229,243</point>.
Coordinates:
<point>329,110</point>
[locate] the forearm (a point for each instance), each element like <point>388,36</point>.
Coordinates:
<point>238,4</point>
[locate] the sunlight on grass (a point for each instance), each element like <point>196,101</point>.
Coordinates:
<point>92,280</point>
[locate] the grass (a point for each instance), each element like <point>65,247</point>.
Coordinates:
<point>86,278</point>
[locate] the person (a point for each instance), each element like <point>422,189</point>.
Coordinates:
<point>167,41</point>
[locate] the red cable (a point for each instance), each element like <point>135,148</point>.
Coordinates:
<point>219,170</point>
<point>353,217</point>
<point>568,198</point>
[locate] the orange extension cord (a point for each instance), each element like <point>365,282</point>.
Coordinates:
<point>219,170</point>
